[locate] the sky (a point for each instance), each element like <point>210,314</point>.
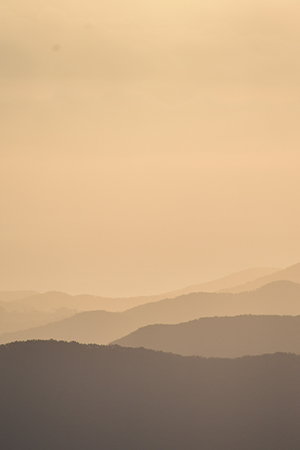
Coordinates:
<point>147,145</point>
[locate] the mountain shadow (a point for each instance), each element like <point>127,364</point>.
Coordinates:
<point>67,396</point>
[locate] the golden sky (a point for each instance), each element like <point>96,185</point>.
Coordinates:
<point>147,145</point>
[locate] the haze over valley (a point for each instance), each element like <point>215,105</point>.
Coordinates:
<point>146,146</point>
<point>96,325</point>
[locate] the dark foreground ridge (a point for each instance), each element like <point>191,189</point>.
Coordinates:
<point>69,396</point>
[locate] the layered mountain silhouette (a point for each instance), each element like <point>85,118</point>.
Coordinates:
<point>28,301</point>
<point>21,310</point>
<point>225,337</point>
<point>291,273</point>
<point>24,310</point>
<point>228,282</point>
<point>67,396</point>
<point>101,327</point>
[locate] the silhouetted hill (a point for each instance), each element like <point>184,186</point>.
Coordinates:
<point>225,337</point>
<point>101,327</point>
<point>291,273</point>
<point>66,396</point>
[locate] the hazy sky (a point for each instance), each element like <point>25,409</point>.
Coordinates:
<point>147,145</point>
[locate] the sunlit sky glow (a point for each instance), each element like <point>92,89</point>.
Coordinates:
<point>145,146</point>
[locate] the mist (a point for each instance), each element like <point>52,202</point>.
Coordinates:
<point>145,147</point>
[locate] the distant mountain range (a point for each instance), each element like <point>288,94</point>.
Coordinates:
<point>11,321</point>
<point>223,337</point>
<point>228,282</point>
<point>53,300</point>
<point>101,327</point>
<point>67,396</point>
<point>9,296</point>
<point>27,301</point>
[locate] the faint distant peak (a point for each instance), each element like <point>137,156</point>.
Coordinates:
<point>279,285</point>
<point>16,295</point>
<point>291,273</point>
<point>226,282</point>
